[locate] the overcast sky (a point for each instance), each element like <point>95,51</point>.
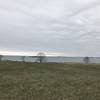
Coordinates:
<point>61,27</point>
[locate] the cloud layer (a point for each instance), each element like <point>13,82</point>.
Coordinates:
<point>70,27</point>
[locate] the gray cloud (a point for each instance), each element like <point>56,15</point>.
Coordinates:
<point>71,27</point>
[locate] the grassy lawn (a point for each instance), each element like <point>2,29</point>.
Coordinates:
<point>49,81</point>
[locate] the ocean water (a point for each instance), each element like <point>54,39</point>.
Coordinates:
<point>53,59</point>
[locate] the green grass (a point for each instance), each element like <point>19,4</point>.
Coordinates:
<point>49,81</point>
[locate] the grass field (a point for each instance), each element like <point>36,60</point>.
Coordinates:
<point>49,81</point>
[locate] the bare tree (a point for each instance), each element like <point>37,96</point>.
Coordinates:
<point>86,60</point>
<point>1,56</point>
<point>23,58</point>
<point>41,57</point>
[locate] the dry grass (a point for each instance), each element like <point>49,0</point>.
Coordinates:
<point>28,81</point>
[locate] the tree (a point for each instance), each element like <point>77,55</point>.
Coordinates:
<point>23,58</point>
<point>1,56</point>
<point>41,57</point>
<point>86,60</point>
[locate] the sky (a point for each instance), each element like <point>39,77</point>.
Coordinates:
<point>56,27</point>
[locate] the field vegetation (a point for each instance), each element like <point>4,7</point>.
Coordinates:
<point>49,81</point>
